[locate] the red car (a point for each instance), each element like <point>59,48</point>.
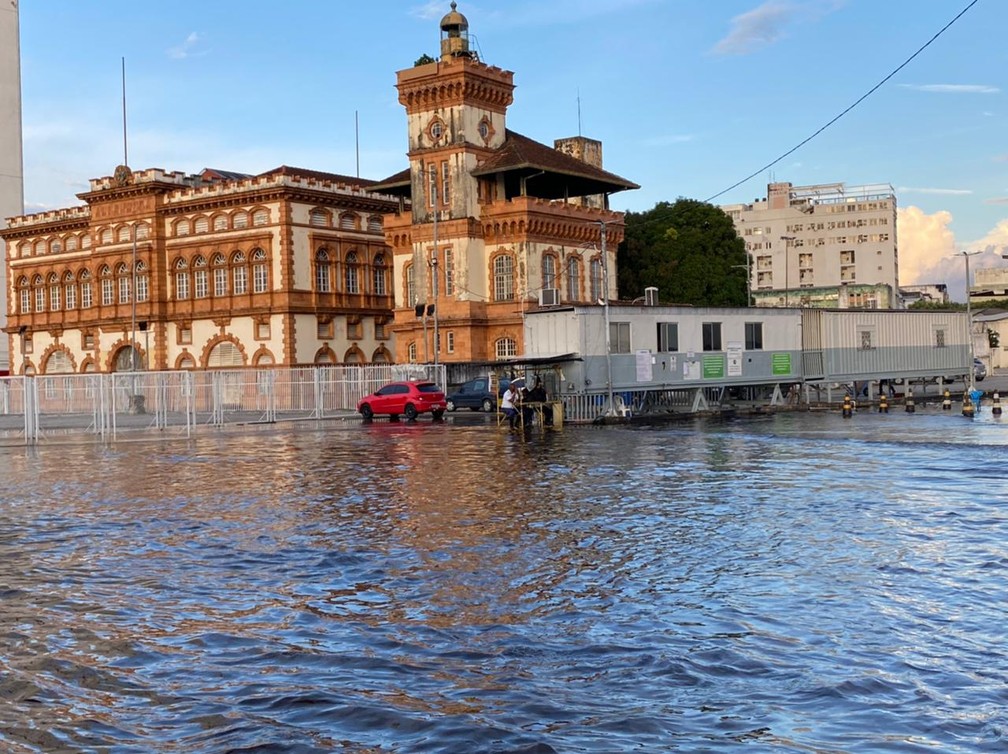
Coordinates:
<point>407,399</point>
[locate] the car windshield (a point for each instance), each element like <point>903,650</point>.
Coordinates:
<point>428,387</point>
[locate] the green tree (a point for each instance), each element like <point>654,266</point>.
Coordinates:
<point>689,250</point>
<point>423,60</point>
<point>937,306</point>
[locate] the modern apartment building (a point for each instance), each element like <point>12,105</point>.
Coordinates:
<point>827,245</point>
<point>11,171</point>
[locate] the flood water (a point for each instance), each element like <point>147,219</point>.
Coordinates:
<point>790,583</point>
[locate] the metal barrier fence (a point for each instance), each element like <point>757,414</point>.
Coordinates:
<point>35,407</point>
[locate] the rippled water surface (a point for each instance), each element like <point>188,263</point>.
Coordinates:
<point>791,583</point>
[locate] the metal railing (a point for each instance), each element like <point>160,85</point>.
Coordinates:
<point>33,408</point>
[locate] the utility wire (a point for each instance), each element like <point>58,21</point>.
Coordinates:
<point>851,107</point>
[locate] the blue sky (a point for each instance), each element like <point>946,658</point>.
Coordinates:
<point>687,96</point>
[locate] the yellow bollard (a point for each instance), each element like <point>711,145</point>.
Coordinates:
<point>947,401</point>
<point>910,408</point>
<point>883,404</point>
<point>967,408</point>
<point>996,404</point>
<point>848,407</point>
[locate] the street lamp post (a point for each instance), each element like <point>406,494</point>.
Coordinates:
<point>605,303</point>
<point>748,280</point>
<point>969,323</point>
<point>787,268</point>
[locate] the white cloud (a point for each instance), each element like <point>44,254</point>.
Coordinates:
<point>929,252</point>
<point>934,191</point>
<point>430,10</point>
<point>188,48</point>
<point>758,28</point>
<point>953,88</point>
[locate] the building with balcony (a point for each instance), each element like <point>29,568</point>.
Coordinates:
<point>492,223</point>
<point>162,270</point>
<point>807,244</point>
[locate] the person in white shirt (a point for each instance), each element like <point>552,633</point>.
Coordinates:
<point>508,401</point>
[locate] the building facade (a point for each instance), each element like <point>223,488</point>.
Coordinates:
<point>989,284</point>
<point>492,223</point>
<point>805,241</point>
<point>11,170</point>
<point>160,270</point>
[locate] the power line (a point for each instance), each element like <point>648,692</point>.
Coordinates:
<point>851,107</point>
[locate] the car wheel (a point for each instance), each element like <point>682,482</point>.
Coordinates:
<point>366,411</point>
<point>410,411</point>
<point>487,405</point>
<point>452,406</point>
<point>438,414</point>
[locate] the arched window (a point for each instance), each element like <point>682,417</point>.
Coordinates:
<point>181,280</point>
<point>260,272</point>
<point>410,279</point>
<point>549,271</point>
<point>200,288</point>
<point>260,217</point>
<point>411,353</point>
<point>56,246</point>
<point>323,272</point>
<point>124,234</point>
<point>239,273</point>
<point>505,348</point>
<point>353,356</point>
<point>55,299</point>
<point>40,248</point>
<point>374,224</point>
<point>70,290</point>
<point>573,279</point>
<point>125,283</point>
<point>106,236</point>
<point>595,277</point>
<point>202,225</point>
<point>503,278</point>
<point>220,274</point>
<point>142,231</point>
<point>378,274</point>
<point>225,355</point>
<point>86,290</point>
<point>107,289</point>
<point>220,222</point>
<point>58,363</point>
<point>381,356</point>
<point>182,228</point>
<point>86,241</point>
<point>348,221</point>
<point>72,243</point>
<point>318,218</point>
<point>352,273</point>
<point>142,282</point>
<point>240,220</point>
<point>186,361</point>
<point>39,285</point>
<point>24,293</point>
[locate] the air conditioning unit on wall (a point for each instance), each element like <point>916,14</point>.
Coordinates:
<point>549,297</point>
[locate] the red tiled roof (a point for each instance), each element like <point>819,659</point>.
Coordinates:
<point>319,175</point>
<point>522,152</point>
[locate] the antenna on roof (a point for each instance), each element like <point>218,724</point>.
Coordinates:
<point>579,110</point>
<point>356,126</point>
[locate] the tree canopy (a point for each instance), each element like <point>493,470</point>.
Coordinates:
<point>689,250</point>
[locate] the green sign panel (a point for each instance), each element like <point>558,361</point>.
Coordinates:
<point>781,363</point>
<point>713,367</point>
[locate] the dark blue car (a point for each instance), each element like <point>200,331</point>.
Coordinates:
<point>476,395</point>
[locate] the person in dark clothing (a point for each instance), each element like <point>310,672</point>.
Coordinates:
<point>538,395</point>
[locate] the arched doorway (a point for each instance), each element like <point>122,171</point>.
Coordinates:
<point>127,359</point>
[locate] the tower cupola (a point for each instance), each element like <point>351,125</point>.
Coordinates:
<point>454,35</point>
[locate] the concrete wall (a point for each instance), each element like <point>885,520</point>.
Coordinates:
<point>11,164</point>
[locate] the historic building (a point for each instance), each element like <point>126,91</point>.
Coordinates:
<point>11,176</point>
<point>495,223</point>
<point>160,270</point>
<point>828,245</point>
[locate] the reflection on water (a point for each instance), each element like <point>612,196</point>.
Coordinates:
<point>790,583</point>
